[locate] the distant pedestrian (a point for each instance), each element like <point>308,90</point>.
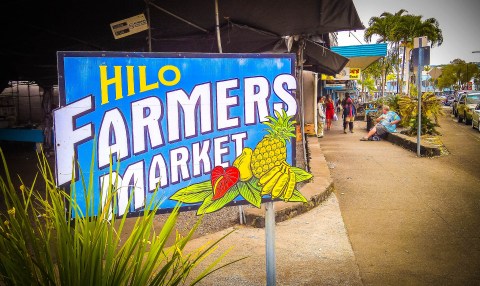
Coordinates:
<point>348,113</point>
<point>320,116</point>
<point>387,123</point>
<point>329,111</point>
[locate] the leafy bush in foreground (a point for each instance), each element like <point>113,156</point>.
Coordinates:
<point>40,245</point>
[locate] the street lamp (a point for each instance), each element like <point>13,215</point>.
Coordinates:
<point>475,52</point>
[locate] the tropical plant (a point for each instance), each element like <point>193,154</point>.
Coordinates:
<point>40,245</point>
<point>367,82</point>
<point>431,109</point>
<point>400,29</point>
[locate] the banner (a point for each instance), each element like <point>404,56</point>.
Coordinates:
<point>205,129</point>
<point>347,73</point>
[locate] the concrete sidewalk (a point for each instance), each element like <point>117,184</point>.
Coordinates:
<point>411,221</point>
<point>311,248</point>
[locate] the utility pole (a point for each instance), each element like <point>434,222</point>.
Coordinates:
<point>419,60</point>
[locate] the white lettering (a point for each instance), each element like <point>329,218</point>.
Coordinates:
<point>66,137</point>
<point>224,102</point>
<point>239,138</point>
<point>219,150</point>
<point>157,173</point>
<point>200,156</point>
<point>143,124</point>
<point>112,138</point>
<point>284,94</point>
<point>188,104</point>
<point>179,159</point>
<point>132,184</point>
<point>257,92</point>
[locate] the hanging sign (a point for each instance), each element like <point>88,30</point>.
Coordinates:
<point>207,130</point>
<point>347,73</point>
<point>355,73</point>
<point>129,26</point>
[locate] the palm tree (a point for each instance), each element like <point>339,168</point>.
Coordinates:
<point>411,26</point>
<point>394,20</point>
<point>379,26</point>
<point>401,29</point>
<point>384,27</point>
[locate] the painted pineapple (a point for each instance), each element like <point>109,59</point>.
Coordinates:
<point>271,151</point>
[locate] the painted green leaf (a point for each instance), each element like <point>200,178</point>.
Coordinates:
<point>195,193</point>
<point>297,197</point>
<point>210,206</point>
<point>300,174</point>
<point>250,194</point>
<point>253,184</point>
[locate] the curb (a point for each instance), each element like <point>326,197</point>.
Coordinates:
<point>427,149</point>
<point>315,191</point>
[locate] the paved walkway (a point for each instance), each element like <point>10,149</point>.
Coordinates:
<point>311,248</point>
<point>411,221</point>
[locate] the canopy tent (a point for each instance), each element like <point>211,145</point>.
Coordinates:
<point>362,56</point>
<point>323,60</point>
<point>42,28</point>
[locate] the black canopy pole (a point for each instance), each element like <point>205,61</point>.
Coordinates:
<point>217,28</point>
<point>178,17</point>
<point>300,54</point>
<point>149,27</point>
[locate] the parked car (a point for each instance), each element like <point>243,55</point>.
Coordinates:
<point>449,100</point>
<point>476,117</point>
<point>466,105</point>
<point>442,98</point>
<point>455,101</point>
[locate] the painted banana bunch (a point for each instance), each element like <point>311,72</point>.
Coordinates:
<point>279,182</point>
<point>257,172</point>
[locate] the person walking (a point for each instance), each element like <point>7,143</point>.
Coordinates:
<point>320,116</point>
<point>348,113</point>
<point>329,111</point>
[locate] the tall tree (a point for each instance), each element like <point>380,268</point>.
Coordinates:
<point>400,29</point>
<point>457,74</point>
<point>411,26</point>
<point>383,27</point>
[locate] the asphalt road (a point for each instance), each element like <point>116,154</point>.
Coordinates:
<point>411,221</point>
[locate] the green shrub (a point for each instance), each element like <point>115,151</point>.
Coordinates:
<point>428,127</point>
<point>40,245</point>
<point>431,109</point>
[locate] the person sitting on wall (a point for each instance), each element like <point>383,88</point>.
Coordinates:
<point>386,123</point>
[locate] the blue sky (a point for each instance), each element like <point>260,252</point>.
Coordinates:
<point>459,21</point>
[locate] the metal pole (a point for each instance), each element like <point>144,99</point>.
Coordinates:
<point>383,78</point>
<point>270,243</point>
<point>149,27</point>
<point>315,98</point>
<point>240,213</point>
<point>179,18</point>
<point>302,109</point>
<point>29,104</point>
<point>217,27</point>
<point>419,89</point>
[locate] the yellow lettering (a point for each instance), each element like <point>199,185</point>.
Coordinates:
<point>105,82</point>
<point>162,79</point>
<point>130,81</point>
<point>143,80</point>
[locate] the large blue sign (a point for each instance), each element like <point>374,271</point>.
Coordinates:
<point>172,121</point>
